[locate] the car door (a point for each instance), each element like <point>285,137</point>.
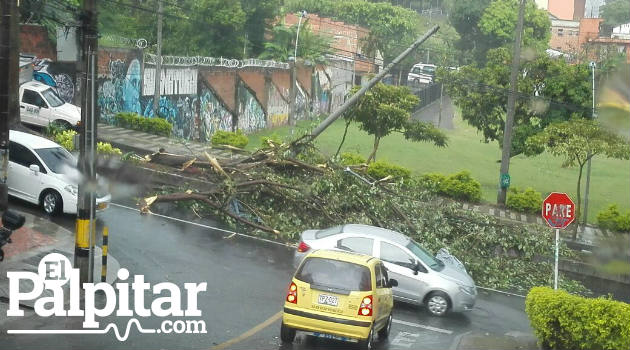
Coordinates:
<point>361,245</point>
<point>22,181</point>
<point>29,106</point>
<point>383,294</point>
<point>400,265</point>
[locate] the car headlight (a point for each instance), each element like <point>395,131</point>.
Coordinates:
<point>72,189</point>
<point>471,290</point>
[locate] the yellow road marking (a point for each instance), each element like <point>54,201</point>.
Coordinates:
<point>249,333</point>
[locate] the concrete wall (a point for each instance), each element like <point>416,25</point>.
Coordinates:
<point>34,40</point>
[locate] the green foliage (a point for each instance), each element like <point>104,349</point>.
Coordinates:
<point>432,182</point>
<point>611,219</point>
<point>105,148</point>
<point>615,12</point>
<point>349,158</point>
<point>66,139</point>
<point>461,186</point>
<point>382,169</point>
<point>481,95</point>
<point>267,141</point>
<point>564,321</point>
<point>527,201</point>
<point>157,126</point>
<point>53,129</point>
<point>236,139</point>
<point>311,46</point>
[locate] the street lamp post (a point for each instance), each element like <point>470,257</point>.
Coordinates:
<point>293,63</point>
<point>588,165</point>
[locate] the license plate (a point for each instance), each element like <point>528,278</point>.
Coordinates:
<point>326,299</point>
<point>101,206</point>
<point>331,336</point>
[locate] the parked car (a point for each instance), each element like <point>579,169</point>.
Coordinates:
<point>440,283</point>
<point>421,73</point>
<point>44,173</point>
<point>41,105</point>
<point>339,295</point>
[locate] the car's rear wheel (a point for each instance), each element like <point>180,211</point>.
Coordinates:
<point>384,332</point>
<point>52,202</point>
<point>437,303</point>
<point>367,343</point>
<point>287,334</point>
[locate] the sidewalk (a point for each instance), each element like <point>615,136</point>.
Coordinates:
<point>144,143</point>
<point>38,237</point>
<point>510,340</point>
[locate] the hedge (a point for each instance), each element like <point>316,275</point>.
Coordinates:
<point>564,321</point>
<point>349,158</point>
<point>527,201</point>
<point>157,126</point>
<point>611,219</point>
<point>382,169</point>
<point>461,186</point>
<point>236,139</point>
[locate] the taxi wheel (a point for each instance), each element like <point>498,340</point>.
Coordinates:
<point>287,334</point>
<point>367,343</point>
<point>384,332</point>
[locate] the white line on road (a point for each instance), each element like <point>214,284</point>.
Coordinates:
<point>206,226</point>
<point>405,339</point>
<point>411,324</point>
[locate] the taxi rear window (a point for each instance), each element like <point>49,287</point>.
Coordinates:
<point>335,274</point>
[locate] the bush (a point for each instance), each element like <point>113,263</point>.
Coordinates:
<point>349,158</point>
<point>66,139</point>
<point>564,321</point>
<point>105,148</point>
<point>528,201</point>
<point>236,139</point>
<point>381,169</point>
<point>432,181</point>
<point>273,138</point>
<point>461,186</point>
<point>157,126</point>
<point>612,219</point>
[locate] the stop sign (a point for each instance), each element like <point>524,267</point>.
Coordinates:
<point>558,210</point>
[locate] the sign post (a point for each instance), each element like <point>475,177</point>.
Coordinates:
<point>558,210</point>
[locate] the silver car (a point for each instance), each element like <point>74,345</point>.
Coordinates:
<point>440,283</point>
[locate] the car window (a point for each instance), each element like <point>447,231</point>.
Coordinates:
<point>335,274</point>
<point>395,255</point>
<point>33,98</point>
<point>425,256</point>
<point>57,159</point>
<point>23,156</point>
<point>356,244</point>
<point>378,275</point>
<point>53,99</point>
<point>328,232</point>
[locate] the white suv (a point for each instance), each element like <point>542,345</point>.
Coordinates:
<point>44,173</point>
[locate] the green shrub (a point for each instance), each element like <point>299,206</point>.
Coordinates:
<point>157,126</point>
<point>564,321</point>
<point>461,186</point>
<point>236,139</point>
<point>105,148</point>
<point>611,219</point>
<point>528,201</point>
<point>53,129</point>
<point>66,139</point>
<point>381,169</point>
<point>349,158</point>
<point>432,181</point>
<point>273,138</point>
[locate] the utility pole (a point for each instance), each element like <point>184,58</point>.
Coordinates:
<point>85,228</point>
<point>158,64</point>
<point>6,85</point>
<point>354,98</point>
<point>504,177</point>
<point>588,165</point>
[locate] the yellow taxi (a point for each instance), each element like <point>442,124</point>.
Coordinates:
<point>339,295</point>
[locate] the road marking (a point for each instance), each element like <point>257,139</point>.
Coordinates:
<point>250,332</point>
<point>411,324</point>
<point>206,226</point>
<point>405,339</point>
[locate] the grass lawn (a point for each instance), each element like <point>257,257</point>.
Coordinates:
<point>610,179</point>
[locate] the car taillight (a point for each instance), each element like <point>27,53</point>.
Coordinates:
<point>292,295</point>
<point>366,306</point>
<point>303,247</point>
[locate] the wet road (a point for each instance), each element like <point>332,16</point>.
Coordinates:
<point>246,283</point>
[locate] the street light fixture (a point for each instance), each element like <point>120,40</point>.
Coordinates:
<point>293,64</point>
<point>592,65</point>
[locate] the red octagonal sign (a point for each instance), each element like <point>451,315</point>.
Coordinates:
<point>558,210</point>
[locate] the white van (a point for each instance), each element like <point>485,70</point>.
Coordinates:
<point>40,105</point>
<point>421,73</point>
<point>44,173</point>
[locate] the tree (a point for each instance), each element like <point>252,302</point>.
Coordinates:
<point>385,109</point>
<point>311,46</point>
<point>259,15</point>
<point>464,16</point>
<point>549,90</point>
<point>577,141</point>
<point>615,12</point>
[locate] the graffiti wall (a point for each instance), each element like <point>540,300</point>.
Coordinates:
<point>119,83</point>
<point>212,114</point>
<point>251,116</point>
<point>277,107</point>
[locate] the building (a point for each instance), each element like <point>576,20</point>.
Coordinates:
<point>568,10</point>
<point>595,43</point>
<point>591,9</point>
<point>564,36</point>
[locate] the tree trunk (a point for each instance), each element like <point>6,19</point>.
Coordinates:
<point>343,139</point>
<point>373,154</point>
<point>578,206</point>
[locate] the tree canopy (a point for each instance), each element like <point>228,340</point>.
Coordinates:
<point>311,46</point>
<point>615,12</point>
